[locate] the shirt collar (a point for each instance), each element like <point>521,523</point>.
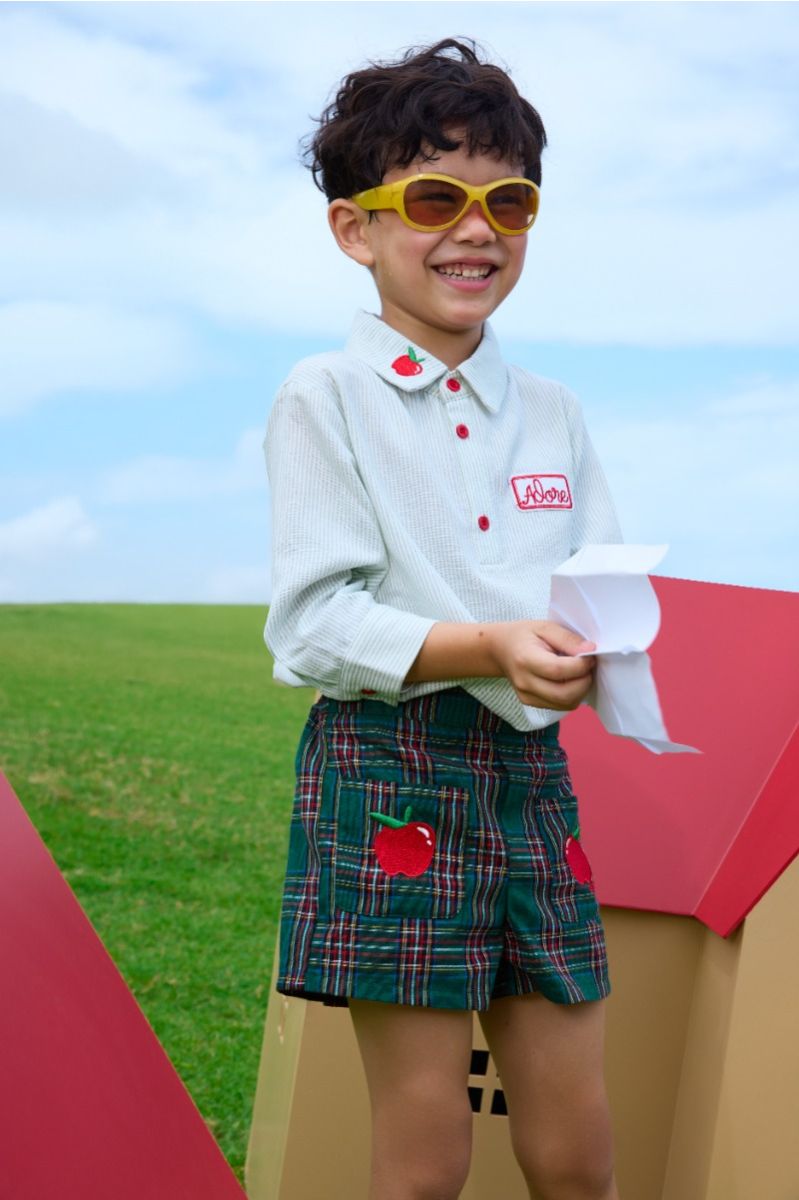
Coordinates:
<point>412,368</point>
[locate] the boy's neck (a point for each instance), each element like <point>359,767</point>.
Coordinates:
<point>449,348</point>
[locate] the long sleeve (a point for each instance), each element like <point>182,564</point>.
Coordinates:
<point>324,628</point>
<point>595,518</point>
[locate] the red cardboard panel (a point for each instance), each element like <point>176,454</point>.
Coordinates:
<point>767,842</point>
<point>90,1106</point>
<point>704,835</point>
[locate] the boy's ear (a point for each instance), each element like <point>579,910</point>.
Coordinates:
<point>348,222</point>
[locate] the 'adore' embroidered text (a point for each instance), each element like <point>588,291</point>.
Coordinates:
<point>541,491</point>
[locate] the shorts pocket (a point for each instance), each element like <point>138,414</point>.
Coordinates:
<point>411,867</point>
<point>572,891</point>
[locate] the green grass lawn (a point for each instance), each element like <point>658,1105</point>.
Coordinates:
<point>154,754</point>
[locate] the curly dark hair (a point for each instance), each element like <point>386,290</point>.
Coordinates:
<point>388,114</point>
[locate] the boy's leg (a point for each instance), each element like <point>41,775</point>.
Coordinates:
<point>417,1062</point>
<point>550,1058</point>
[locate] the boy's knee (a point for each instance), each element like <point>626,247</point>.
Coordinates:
<point>426,1140</point>
<point>418,1177</point>
<point>442,1177</point>
<point>443,1180</point>
<point>565,1169</point>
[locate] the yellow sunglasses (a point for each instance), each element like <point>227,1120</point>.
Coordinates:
<point>431,203</point>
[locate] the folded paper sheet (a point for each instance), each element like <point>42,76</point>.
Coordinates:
<point>604,594</point>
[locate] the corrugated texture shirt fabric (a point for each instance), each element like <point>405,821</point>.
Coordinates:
<point>405,493</point>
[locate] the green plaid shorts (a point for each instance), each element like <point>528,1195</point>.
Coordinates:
<point>469,896</point>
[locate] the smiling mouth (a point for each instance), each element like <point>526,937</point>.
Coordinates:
<point>462,271</point>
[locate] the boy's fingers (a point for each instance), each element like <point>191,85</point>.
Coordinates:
<point>565,641</point>
<point>559,668</point>
<point>564,696</point>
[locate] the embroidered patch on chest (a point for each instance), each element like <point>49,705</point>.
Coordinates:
<point>541,491</point>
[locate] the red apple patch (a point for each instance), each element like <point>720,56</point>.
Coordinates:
<point>405,847</point>
<point>576,858</point>
<point>408,364</point>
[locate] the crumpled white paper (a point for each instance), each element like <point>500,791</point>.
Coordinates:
<point>603,593</point>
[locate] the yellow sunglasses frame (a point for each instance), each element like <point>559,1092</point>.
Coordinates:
<point>392,196</point>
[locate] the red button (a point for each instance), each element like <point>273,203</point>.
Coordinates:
<point>483,522</point>
<point>453,385</point>
<point>462,431</point>
<point>367,691</point>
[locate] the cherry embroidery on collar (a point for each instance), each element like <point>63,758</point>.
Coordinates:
<point>408,364</point>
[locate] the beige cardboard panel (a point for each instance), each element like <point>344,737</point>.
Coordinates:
<point>702,1062</point>
<point>756,1145</point>
<point>652,959</point>
<point>274,1098</point>
<point>330,1133</point>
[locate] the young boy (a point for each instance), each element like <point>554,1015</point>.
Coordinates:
<point>423,491</point>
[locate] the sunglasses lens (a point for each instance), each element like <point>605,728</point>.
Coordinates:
<point>513,205</point>
<point>433,202</point>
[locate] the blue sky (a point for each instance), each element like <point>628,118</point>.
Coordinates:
<point>166,259</point>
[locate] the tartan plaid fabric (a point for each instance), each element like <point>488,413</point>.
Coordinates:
<point>496,912</point>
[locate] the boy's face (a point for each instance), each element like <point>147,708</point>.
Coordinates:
<point>422,295</point>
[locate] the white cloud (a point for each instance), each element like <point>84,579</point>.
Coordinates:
<point>52,530</point>
<point>719,484</point>
<point>53,165</point>
<point>53,346</point>
<point>146,100</point>
<point>158,478</point>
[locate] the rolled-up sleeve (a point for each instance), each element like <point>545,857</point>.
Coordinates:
<point>325,629</point>
<point>595,519</point>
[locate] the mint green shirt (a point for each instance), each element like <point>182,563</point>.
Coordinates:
<point>405,493</point>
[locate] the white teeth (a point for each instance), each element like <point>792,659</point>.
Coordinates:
<point>461,272</point>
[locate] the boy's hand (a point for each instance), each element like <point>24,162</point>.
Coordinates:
<point>536,658</point>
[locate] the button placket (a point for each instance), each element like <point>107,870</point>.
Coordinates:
<point>460,409</point>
